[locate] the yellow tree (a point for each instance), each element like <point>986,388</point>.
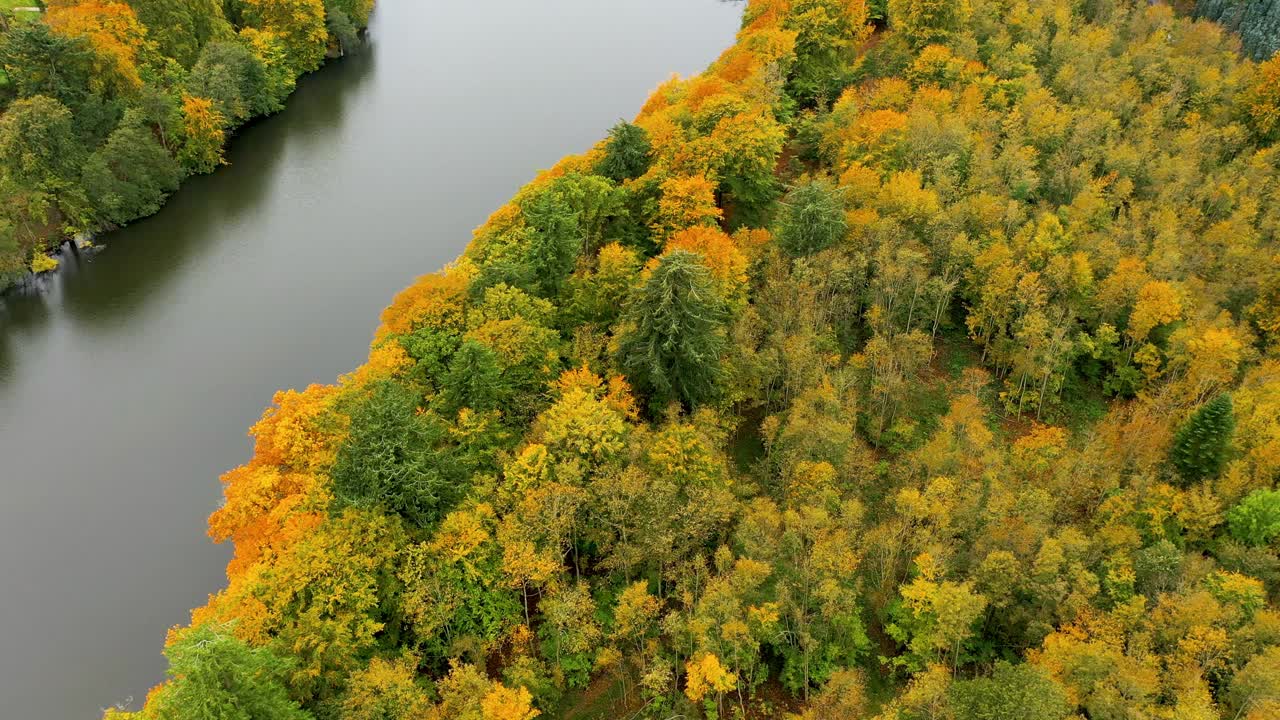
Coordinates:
<point>114,33</point>
<point>686,202</point>
<point>300,25</point>
<point>203,135</point>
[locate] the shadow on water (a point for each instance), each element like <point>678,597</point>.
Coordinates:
<point>140,262</point>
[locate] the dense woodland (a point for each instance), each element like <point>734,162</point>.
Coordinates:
<point>106,105</point>
<point>917,361</point>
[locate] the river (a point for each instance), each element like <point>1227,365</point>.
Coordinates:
<point>128,380</point>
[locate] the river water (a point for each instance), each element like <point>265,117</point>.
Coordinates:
<point>128,380</point>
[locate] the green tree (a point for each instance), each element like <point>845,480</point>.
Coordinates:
<point>676,339</point>
<point>626,154</point>
<point>394,458</point>
<point>38,144</point>
<point>1201,445</point>
<point>234,78</point>
<point>180,28</point>
<point>130,175</point>
<point>1013,692</point>
<point>1256,520</point>
<point>474,379</point>
<point>552,244</point>
<point>827,32</point>
<point>214,676</point>
<point>813,218</point>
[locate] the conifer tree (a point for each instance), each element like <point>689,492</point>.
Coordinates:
<point>626,155</point>
<point>674,348</point>
<point>1201,445</point>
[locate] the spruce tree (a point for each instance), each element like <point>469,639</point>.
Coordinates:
<point>1201,445</point>
<point>626,155</point>
<point>673,350</point>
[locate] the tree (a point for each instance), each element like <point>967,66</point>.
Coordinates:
<point>38,145</point>
<point>686,201</point>
<point>812,218</point>
<point>827,33</point>
<point>393,459</point>
<point>474,380</point>
<point>626,153</point>
<point>234,78</point>
<point>1202,444</point>
<point>673,348</point>
<point>180,28</point>
<point>298,23</point>
<point>1012,692</point>
<point>1256,520</point>
<point>1262,100</point>
<point>39,61</point>
<point>386,690</point>
<point>213,675</point>
<point>925,22</point>
<point>552,244</point>
<point>130,175</point>
<point>202,137</point>
<point>115,35</point>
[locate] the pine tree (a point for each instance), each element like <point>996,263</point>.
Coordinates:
<point>674,348</point>
<point>1201,445</point>
<point>626,154</point>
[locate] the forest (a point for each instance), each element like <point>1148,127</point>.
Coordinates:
<point>919,360</point>
<point>107,105</point>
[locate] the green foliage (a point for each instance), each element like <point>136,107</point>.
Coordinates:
<point>673,348</point>
<point>214,676</point>
<point>552,244</point>
<point>38,144</point>
<point>474,380</point>
<point>626,154</point>
<point>1012,692</point>
<point>181,28</point>
<point>1256,519</point>
<point>812,218</point>
<point>231,75</point>
<point>130,175</point>
<point>826,33</point>
<point>1202,444</point>
<point>394,459</point>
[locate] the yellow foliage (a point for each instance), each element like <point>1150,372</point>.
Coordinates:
<point>704,674</point>
<point>41,263</point>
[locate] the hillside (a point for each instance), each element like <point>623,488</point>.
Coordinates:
<point>914,361</point>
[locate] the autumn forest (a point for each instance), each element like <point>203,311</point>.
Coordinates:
<point>919,360</point>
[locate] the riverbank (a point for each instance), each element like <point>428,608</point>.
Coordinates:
<point>145,97</point>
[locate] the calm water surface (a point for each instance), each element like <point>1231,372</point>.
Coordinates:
<point>128,381</point>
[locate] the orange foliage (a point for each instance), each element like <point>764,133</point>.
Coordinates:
<point>687,201</point>
<point>719,253</point>
<point>434,300</point>
<point>113,31</point>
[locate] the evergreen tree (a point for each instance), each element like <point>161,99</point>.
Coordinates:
<point>1201,445</point>
<point>552,244</point>
<point>812,218</point>
<point>215,675</point>
<point>395,460</point>
<point>673,350</point>
<point>474,379</point>
<point>626,155</point>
